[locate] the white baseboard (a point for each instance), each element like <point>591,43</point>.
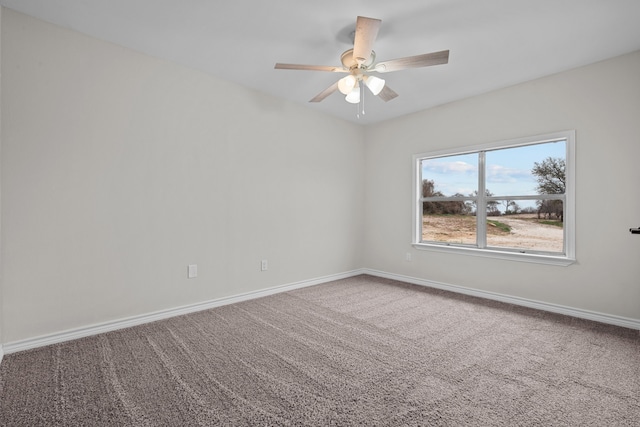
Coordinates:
<point>72,334</point>
<point>554,308</point>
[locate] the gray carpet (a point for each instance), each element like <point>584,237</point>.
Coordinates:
<point>360,351</point>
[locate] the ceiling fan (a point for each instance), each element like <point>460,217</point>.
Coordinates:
<point>360,62</point>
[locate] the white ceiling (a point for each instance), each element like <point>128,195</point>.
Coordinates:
<point>493,43</point>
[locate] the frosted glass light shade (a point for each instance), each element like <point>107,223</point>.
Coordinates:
<point>346,84</point>
<point>354,96</point>
<point>375,84</point>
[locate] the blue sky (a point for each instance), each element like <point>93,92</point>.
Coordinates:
<point>508,170</point>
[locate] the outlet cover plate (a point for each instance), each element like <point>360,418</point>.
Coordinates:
<point>192,271</point>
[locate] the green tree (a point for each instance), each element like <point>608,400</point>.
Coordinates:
<point>492,205</point>
<point>550,174</point>
<point>551,177</point>
<point>511,207</point>
<point>428,188</point>
<point>443,207</point>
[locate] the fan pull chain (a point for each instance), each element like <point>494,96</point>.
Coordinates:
<point>361,103</point>
<point>362,91</point>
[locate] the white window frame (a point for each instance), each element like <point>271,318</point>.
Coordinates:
<point>564,259</point>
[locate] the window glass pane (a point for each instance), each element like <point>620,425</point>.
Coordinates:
<point>450,176</point>
<point>537,229</point>
<point>447,228</point>
<point>527,191</point>
<point>527,170</point>
<point>510,206</point>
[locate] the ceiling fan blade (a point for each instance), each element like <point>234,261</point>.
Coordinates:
<point>387,94</point>
<point>328,91</point>
<point>329,68</point>
<point>426,60</point>
<point>366,33</point>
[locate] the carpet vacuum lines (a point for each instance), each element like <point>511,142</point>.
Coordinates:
<point>362,350</point>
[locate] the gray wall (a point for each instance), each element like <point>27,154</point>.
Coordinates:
<point>119,170</point>
<point>1,269</point>
<point>602,103</point>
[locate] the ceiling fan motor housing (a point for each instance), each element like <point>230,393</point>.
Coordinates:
<point>350,62</point>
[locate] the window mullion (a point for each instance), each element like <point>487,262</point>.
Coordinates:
<point>481,211</point>
<point>448,222</point>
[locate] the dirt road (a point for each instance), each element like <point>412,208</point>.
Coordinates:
<point>526,233</point>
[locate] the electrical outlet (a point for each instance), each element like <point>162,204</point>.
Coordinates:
<point>192,271</point>
<point>408,257</point>
<point>264,265</point>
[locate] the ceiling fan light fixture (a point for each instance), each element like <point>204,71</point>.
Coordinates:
<point>375,84</point>
<point>354,96</point>
<point>359,61</point>
<point>346,84</point>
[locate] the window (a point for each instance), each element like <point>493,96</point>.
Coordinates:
<point>510,199</point>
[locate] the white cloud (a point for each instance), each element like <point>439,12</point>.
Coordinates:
<point>448,167</point>
<point>501,174</point>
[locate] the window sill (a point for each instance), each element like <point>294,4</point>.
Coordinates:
<point>489,253</point>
